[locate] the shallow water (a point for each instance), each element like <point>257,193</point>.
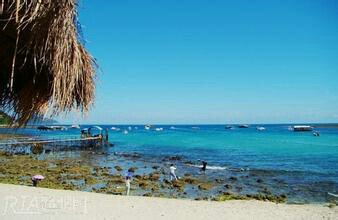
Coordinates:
<point>298,164</point>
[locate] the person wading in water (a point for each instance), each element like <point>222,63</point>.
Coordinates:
<point>204,166</point>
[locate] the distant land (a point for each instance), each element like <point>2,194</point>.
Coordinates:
<point>39,120</point>
<point>5,119</point>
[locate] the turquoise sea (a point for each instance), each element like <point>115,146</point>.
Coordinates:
<point>298,164</point>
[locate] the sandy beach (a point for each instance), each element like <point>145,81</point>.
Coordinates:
<point>23,202</point>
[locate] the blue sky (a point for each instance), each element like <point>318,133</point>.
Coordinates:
<point>194,61</point>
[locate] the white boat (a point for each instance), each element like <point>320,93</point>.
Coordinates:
<point>147,127</point>
<point>261,128</point>
<point>316,133</point>
<point>172,128</point>
<point>302,128</point>
<point>125,132</point>
<point>75,126</point>
<point>115,128</point>
<point>56,127</point>
<point>129,128</point>
<point>158,129</point>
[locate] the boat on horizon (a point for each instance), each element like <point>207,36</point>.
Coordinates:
<point>147,127</point>
<point>243,126</point>
<point>51,128</point>
<point>74,126</point>
<point>261,128</point>
<point>229,127</point>
<point>115,129</point>
<point>301,128</point>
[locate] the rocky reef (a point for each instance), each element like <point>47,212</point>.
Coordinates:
<point>79,174</point>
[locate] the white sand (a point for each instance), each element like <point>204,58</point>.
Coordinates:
<point>22,202</point>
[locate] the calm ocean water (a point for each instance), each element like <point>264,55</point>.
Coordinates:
<point>298,164</point>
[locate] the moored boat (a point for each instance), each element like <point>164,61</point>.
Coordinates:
<point>74,126</point>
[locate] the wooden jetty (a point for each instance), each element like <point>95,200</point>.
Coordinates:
<point>88,138</point>
<point>28,141</point>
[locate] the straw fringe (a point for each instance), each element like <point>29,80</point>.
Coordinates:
<point>51,71</point>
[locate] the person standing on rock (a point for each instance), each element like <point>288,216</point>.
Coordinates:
<point>172,172</point>
<point>128,177</point>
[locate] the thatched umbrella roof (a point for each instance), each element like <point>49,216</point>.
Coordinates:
<point>43,64</point>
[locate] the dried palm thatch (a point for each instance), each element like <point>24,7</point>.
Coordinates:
<point>43,64</point>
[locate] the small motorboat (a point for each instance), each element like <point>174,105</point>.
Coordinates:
<point>115,128</point>
<point>243,126</point>
<point>147,127</point>
<point>228,127</point>
<point>158,129</point>
<point>51,128</point>
<point>316,134</point>
<point>125,132</point>
<point>261,128</point>
<point>75,126</point>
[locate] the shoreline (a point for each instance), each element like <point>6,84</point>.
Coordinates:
<point>149,179</point>
<point>17,202</point>
<point>102,169</point>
